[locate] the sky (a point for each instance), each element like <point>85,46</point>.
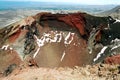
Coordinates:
<point>89,2</point>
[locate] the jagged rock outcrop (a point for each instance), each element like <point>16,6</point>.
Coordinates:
<point>54,40</point>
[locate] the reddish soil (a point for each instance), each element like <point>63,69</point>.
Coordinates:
<point>7,58</point>
<point>14,36</point>
<point>75,20</point>
<point>113,60</point>
<point>50,54</point>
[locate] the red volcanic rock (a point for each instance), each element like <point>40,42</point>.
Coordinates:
<point>14,36</point>
<point>75,20</point>
<point>55,40</point>
<point>113,60</point>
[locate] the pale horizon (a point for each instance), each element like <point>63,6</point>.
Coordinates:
<point>87,2</point>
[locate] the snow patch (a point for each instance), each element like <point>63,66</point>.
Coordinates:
<point>115,40</point>
<point>117,20</point>
<point>69,38</point>
<point>47,37</point>
<point>36,52</point>
<point>11,48</point>
<point>115,47</point>
<point>51,37</point>
<point>40,42</point>
<point>116,43</point>
<point>90,51</point>
<point>63,56</point>
<point>5,47</point>
<point>100,53</point>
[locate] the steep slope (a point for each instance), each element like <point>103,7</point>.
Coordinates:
<point>115,13</point>
<point>59,40</point>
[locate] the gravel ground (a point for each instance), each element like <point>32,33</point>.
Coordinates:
<point>96,72</point>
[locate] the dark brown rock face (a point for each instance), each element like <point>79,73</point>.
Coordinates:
<point>54,40</point>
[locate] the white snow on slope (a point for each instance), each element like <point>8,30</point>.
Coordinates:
<point>5,47</point>
<point>52,37</point>
<point>117,20</point>
<point>69,38</point>
<point>47,37</point>
<point>116,43</point>
<point>100,53</point>
<point>63,56</point>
